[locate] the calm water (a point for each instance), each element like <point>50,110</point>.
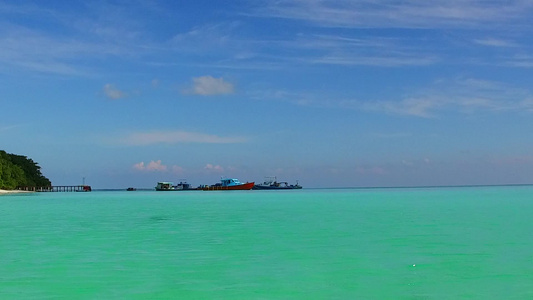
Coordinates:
<point>454,243</point>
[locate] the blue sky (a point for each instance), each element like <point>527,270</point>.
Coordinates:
<point>330,93</point>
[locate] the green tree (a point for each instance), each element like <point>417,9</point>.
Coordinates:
<point>32,171</point>
<point>18,170</point>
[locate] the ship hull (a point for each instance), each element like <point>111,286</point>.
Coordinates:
<point>268,187</point>
<point>240,187</point>
<point>178,190</point>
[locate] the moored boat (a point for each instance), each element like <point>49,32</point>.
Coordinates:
<point>229,184</point>
<point>271,183</point>
<point>184,186</point>
<point>169,186</point>
<point>84,188</point>
<point>164,186</point>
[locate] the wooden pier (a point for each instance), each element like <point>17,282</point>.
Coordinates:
<point>57,188</point>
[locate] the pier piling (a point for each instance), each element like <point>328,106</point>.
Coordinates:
<point>57,188</point>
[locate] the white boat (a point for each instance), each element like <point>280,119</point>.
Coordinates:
<point>164,186</point>
<point>169,186</point>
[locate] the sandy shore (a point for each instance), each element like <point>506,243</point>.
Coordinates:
<point>5,192</point>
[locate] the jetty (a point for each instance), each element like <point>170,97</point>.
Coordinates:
<point>56,188</point>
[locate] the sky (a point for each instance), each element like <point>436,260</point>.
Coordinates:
<point>360,93</point>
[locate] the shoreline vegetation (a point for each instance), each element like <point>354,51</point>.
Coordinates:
<point>19,171</point>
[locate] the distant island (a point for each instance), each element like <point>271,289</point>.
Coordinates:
<point>20,171</point>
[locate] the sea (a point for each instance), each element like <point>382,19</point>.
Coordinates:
<point>390,243</point>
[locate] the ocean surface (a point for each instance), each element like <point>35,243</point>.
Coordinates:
<point>411,243</point>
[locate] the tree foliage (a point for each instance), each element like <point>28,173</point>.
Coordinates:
<point>18,170</point>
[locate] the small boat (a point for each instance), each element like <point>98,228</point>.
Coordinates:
<point>169,186</point>
<point>184,186</point>
<point>229,184</point>
<point>84,188</point>
<point>130,189</point>
<point>164,186</point>
<point>271,183</point>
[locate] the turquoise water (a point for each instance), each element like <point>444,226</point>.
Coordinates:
<point>438,243</point>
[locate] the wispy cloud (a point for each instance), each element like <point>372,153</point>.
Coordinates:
<point>366,51</point>
<point>8,127</point>
<point>112,92</point>
<point>492,42</point>
<point>520,61</point>
<point>206,37</point>
<point>175,137</point>
<point>412,42</point>
<point>113,31</point>
<point>32,50</point>
<point>398,14</point>
<point>420,107</point>
<point>210,86</point>
<point>460,95</point>
<point>65,40</point>
<point>349,59</point>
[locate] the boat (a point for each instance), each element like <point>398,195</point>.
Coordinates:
<point>130,189</point>
<point>229,184</point>
<point>184,186</point>
<point>84,188</point>
<point>164,186</point>
<point>271,183</point>
<point>169,186</point>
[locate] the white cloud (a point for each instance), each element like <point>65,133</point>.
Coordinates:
<point>208,86</point>
<point>214,168</point>
<point>156,166</point>
<point>139,166</point>
<point>151,166</point>
<point>111,92</point>
<point>175,137</point>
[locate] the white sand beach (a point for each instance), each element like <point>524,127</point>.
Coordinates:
<point>7,192</point>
